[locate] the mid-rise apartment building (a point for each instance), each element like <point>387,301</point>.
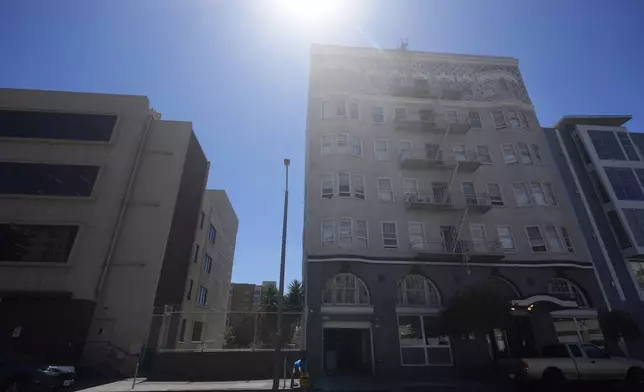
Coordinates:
<point>100,199</point>
<point>202,315</point>
<point>428,175</point>
<point>603,167</point>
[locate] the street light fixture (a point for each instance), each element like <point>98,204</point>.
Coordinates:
<point>280,296</point>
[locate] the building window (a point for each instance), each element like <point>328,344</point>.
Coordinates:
<point>513,119</point>
<point>451,116</point>
<point>525,122</point>
<point>416,235</point>
<point>524,154</point>
<point>624,183</point>
<point>405,149</point>
<point>328,231</point>
<point>618,230</point>
<point>400,113</point>
<point>189,293</point>
<point>36,243</point>
<point>565,288</point>
<point>356,146</point>
<point>47,179</point>
<point>55,125</point>
<point>196,254</point>
<point>345,232</point>
<point>496,197</point>
<point>580,148</point>
<point>197,331</point>
<point>551,200</point>
<point>345,289</point>
<point>385,190</point>
<point>378,114</point>
<point>479,238</point>
<point>538,194</point>
<point>389,235</point>
<point>358,186</point>
<point>506,238</point>
<point>627,145</point>
<point>475,120</point>
<point>344,185</point>
<point>341,108</point>
<point>521,194</point>
<point>536,239</point>
<point>354,111</point>
<point>509,155</point>
<point>416,290</point>
<point>212,234</point>
<point>421,342</point>
<point>459,152</point>
<point>554,239</point>
<point>410,189</point>
<point>469,193</point>
<point>326,142</point>
<point>635,219</point>
<point>638,271</point>
<point>499,119</point>
<point>381,149</point>
<point>362,234</point>
<point>342,144</point>
<point>427,115</point>
<point>606,145</point>
<point>599,187</point>
<point>182,330</point>
<point>484,154</point>
<point>328,186</point>
<point>536,151</point>
<point>207,263</point>
<point>202,298</point>
<point>570,248</point>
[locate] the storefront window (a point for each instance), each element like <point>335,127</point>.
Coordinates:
<point>579,330</point>
<point>421,343</point>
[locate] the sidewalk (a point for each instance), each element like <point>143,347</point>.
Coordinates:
<point>142,385</point>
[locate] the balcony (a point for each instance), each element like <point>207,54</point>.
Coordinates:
<point>440,250</point>
<point>468,161</point>
<point>440,200</point>
<point>476,202</point>
<point>439,127</point>
<point>435,200</point>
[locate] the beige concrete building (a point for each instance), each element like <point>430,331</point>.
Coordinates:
<point>427,175</point>
<point>203,311</point>
<point>99,202</point>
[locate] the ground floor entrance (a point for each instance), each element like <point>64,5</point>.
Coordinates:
<point>347,351</point>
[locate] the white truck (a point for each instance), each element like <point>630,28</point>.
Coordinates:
<point>564,362</point>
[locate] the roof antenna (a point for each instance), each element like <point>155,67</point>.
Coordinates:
<point>404,43</point>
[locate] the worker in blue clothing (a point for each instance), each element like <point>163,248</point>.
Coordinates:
<point>299,366</point>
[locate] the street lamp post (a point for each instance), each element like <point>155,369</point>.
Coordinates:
<point>280,297</point>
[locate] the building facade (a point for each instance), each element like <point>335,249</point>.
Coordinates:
<point>603,167</point>
<point>427,175</point>
<point>207,286</point>
<point>100,199</point>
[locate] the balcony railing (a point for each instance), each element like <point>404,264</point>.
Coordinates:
<point>437,197</point>
<point>431,125</point>
<point>468,160</point>
<point>462,247</point>
<point>441,198</point>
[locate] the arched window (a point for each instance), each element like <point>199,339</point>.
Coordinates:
<point>565,288</point>
<point>345,289</point>
<point>416,290</point>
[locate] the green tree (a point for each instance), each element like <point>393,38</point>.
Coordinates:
<point>269,298</point>
<point>294,300</point>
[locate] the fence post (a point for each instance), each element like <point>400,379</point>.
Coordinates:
<point>284,372</point>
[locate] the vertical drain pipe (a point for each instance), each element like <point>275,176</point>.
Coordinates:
<point>119,220</point>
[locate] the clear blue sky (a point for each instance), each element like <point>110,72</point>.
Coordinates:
<point>239,72</point>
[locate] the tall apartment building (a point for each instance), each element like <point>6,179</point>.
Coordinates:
<point>100,201</point>
<point>427,175</point>
<point>202,316</point>
<point>603,168</point>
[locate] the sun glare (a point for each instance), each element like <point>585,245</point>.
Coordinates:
<point>309,12</point>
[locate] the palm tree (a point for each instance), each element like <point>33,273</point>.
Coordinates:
<point>295,297</point>
<point>269,298</point>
